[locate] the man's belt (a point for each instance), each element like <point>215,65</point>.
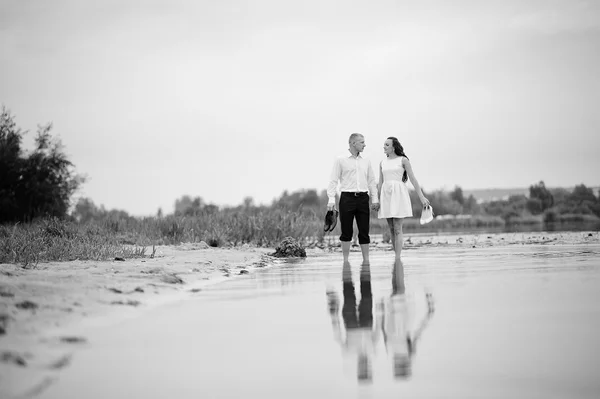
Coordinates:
<point>355,193</point>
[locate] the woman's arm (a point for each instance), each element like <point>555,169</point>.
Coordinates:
<point>419,330</point>
<point>413,180</point>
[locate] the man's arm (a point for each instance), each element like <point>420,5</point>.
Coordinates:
<point>333,183</point>
<point>373,192</point>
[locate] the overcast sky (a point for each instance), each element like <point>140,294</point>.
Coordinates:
<point>227,99</point>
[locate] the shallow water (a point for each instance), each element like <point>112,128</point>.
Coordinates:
<point>504,322</point>
<point>567,227</point>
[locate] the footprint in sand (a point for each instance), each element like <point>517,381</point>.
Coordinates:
<point>4,320</point>
<point>60,363</point>
<point>72,339</point>
<point>27,305</point>
<point>13,358</point>
<point>129,302</point>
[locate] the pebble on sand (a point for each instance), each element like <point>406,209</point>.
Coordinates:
<point>27,305</point>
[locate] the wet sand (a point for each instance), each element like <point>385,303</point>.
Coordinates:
<point>505,321</point>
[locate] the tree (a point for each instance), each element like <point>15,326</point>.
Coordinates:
<point>34,185</point>
<point>583,200</point>
<point>441,202</point>
<point>307,200</point>
<point>457,195</point>
<point>188,206</point>
<point>534,205</point>
<point>210,209</point>
<point>85,210</point>
<point>11,164</point>
<point>559,194</point>
<point>582,193</point>
<point>471,206</point>
<point>248,202</point>
<point>540,198</point>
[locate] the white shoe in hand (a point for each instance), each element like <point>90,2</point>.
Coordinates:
<point>426,214</point>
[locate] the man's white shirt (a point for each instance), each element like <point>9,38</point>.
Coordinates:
<point>353,174</point>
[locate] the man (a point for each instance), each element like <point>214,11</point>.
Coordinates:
<point>357,183</point>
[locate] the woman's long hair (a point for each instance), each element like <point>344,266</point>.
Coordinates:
<point>399,150</point>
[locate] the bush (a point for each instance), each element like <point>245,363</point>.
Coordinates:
<point>289,248</point>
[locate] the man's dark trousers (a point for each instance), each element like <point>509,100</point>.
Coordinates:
<point>355,205</point>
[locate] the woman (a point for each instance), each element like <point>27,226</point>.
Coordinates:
<point>393,193</point>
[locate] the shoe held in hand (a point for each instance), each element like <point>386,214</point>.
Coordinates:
<point>330,220</point>
<point>426,214</point>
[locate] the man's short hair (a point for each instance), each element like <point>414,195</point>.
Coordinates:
<point>354,137</point>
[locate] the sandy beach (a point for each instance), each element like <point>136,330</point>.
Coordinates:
<point>39,306</point>
<point>43,310</point>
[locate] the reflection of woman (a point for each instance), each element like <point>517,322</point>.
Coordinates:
<point>394,199</point>
<point>395,334</point>
<point>400,340</point>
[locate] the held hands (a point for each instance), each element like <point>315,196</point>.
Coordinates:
<point>374,207</point>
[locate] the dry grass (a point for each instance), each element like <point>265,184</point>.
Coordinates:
<point>262,228</point>
<point>57,240</point>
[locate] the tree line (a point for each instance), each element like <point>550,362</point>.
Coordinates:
<point>41,183</point>
<point>548,205</point>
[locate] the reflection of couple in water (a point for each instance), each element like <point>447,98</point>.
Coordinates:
<point>360,330</point>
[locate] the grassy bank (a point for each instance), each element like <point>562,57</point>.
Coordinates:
<point>127,237</point>
<point>57,240</point>
<point>61,240</point>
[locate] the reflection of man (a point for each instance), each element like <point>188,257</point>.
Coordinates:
<point>358,336</point>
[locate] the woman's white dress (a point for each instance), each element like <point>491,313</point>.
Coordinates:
<point>394,201</point>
